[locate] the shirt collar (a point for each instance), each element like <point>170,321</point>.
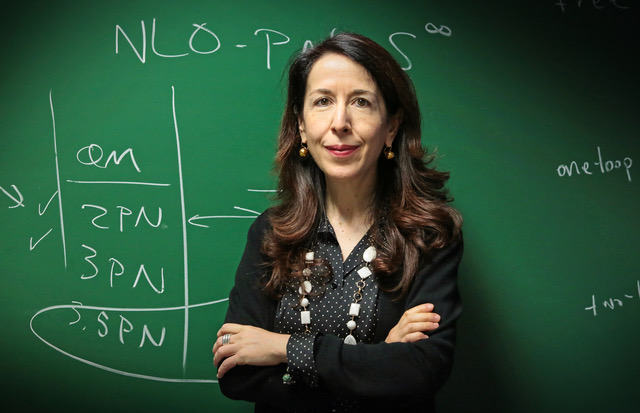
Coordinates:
<point>355,258</point>
<point>325,226</point>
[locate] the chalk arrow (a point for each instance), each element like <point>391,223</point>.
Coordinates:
<point>32,245</point>
<point>198,217</point>
<point>17,201</point>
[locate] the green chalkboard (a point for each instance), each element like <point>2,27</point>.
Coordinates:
<point>136,144</point>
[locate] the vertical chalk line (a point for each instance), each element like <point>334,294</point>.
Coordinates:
<point>184,235</point>
<point>55,150</point>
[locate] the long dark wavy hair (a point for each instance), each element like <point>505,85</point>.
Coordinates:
<point>411,207</point>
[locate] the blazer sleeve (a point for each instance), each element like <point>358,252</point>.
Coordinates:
<point>400,371</point>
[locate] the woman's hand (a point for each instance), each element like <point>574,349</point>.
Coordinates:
<point>248,345</point>
<point>412,324</point>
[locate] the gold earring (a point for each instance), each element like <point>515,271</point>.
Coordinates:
<point>388,153</point>
<point>304,151</point>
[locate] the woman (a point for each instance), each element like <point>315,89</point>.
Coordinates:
<point>340,281</point>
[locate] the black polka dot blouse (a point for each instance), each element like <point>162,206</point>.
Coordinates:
<point>329,309</point>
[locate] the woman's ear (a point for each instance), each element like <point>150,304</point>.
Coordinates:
<point>394,125</point>
<point>301,129</point>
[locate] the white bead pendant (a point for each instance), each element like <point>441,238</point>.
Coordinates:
<point>369,254</point>
<point>364,273</point>
<point>354,310</point>
<point>305,317</point>
<point>351,340</point>
<point>307,288</point>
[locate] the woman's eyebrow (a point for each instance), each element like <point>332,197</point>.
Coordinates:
<point>324,91</point>
<point>362,92</point>
<point>321,91</point>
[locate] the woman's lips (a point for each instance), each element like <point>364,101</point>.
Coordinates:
<point>341,151</point>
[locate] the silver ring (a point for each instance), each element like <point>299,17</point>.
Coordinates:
<point>226,339</point>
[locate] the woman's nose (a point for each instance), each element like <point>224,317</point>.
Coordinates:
<point>341,122</point>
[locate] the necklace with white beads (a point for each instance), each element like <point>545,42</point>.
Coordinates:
<point>354,308</point>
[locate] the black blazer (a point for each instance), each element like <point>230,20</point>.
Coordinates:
<point>381,375</point>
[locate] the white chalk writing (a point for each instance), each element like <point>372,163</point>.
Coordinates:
<point>101,268</point>
<point>611,303</point>
<point>564,5</point>
<point>272,38</point>
<point>601,165</point>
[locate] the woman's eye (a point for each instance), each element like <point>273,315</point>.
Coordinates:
<point>361,102</point>
<point>322,102</point>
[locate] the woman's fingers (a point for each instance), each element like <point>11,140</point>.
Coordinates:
<point>421,317</point>
<point>222,348</point>
<point>421,308</point>
<point>413,337</point>
<point>420,327</point>
<point>413,323</point>
<point>226,365</point>
<point>239,344</point>
<point>223,352</point>
<point>228,328</point>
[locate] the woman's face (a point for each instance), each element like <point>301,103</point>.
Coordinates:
<point>344,120</point>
